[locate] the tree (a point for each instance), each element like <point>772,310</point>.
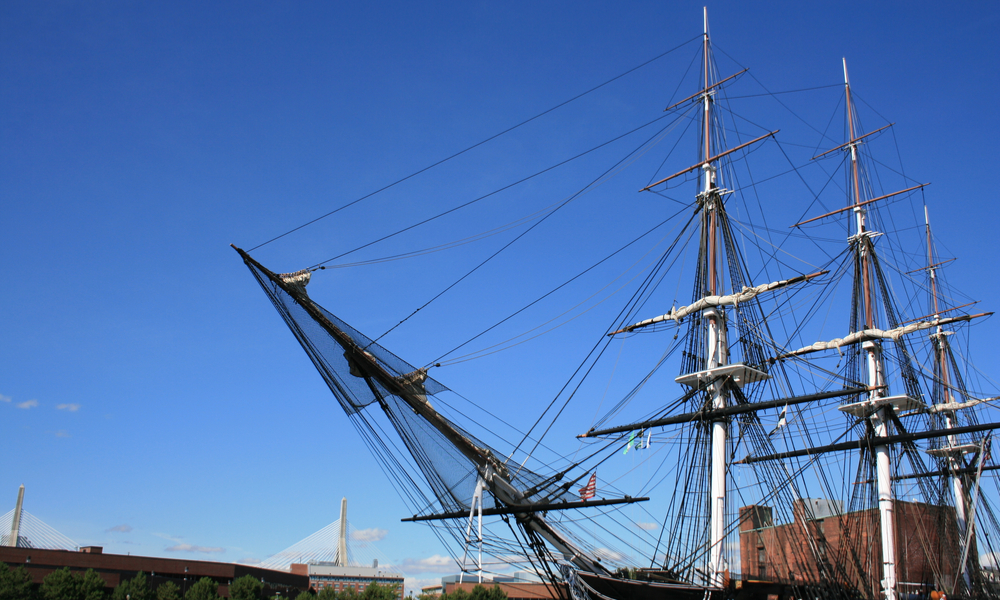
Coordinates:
<point>376,591</point>
<point>60,585</point>
<point>327,593</point>
<point>63,585</point>
<point>136,588</point>
<point>168,591</point>
<point>247,587</point>
<point>92,586</point>
<point>203,589</point>
<point>304,596</point>
<point>15,584</point>
<point>458,594</point>
<point>480,592</point>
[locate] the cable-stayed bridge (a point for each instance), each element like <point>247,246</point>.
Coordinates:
<point>21,529</point>
<point>338,543</point>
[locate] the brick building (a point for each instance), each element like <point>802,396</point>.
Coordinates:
<point>797,552</point>
<point>329,575</point>
<point>114,568</point>
<point>515,590</point>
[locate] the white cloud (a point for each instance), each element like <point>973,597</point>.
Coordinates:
<point>62,433</point>
<point>431,564</point>
<point>190,548</point>
<point>249,561</point>
<point>4,398</point>
<point>647,526</point>
<point>121,528</point>
<point>69,407</point>
<point>412,585</point>
<point>28,404</point>
<point>369,535</point>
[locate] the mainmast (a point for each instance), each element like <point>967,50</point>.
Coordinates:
<point>953,451</point>
<point>876,366</point>
<point>717,347</point>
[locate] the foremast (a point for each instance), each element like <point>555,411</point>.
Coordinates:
<point>875,365</point>
<point>712,373</point>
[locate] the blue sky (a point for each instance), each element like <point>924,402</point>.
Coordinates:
<point>151,400</point>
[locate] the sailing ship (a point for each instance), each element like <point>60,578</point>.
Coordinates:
<point>811,444</point>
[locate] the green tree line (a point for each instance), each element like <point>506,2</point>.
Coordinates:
<point>15,584</point>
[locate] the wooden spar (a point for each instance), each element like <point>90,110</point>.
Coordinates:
<point>708,98</point>
<point>859,204</point>
<point>736,409</point>
<point>854,141</point>
<point>865,274</point>
<point>527,507</point>
<point>941,312</point>
<point>869,442</point>
<point>709,160</point>
<point>493,472</point>
<point>934,266</point>
<point>941,472</point>
<point>482,458</point>
<point>714,85</point>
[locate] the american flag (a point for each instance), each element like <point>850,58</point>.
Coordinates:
<point>587,492</point>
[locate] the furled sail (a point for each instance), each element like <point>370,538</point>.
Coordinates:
<point>866,335</point>
<point>953,406</point>
<point>747,293</point>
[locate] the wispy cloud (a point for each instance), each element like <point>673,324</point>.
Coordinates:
<point>4,398</point>
<point>120,528</point>
<point>249,561</point>
<point>191,548</point>
<point>647,526</point>
<point>431,564</point>
<point>369,535</point>
<point>27,404</point>
<point>609,555</point>
<point>69,407</point>
<point>62,433</point>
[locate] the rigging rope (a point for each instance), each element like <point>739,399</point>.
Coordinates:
<point>476,145</point>
<point>484,196</point>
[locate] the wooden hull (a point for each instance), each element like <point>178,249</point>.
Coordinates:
<point>604,587</point>
<point>614,588</point>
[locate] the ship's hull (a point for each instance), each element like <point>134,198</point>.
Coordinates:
<point>604,587</point>
<point>616,588</point>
